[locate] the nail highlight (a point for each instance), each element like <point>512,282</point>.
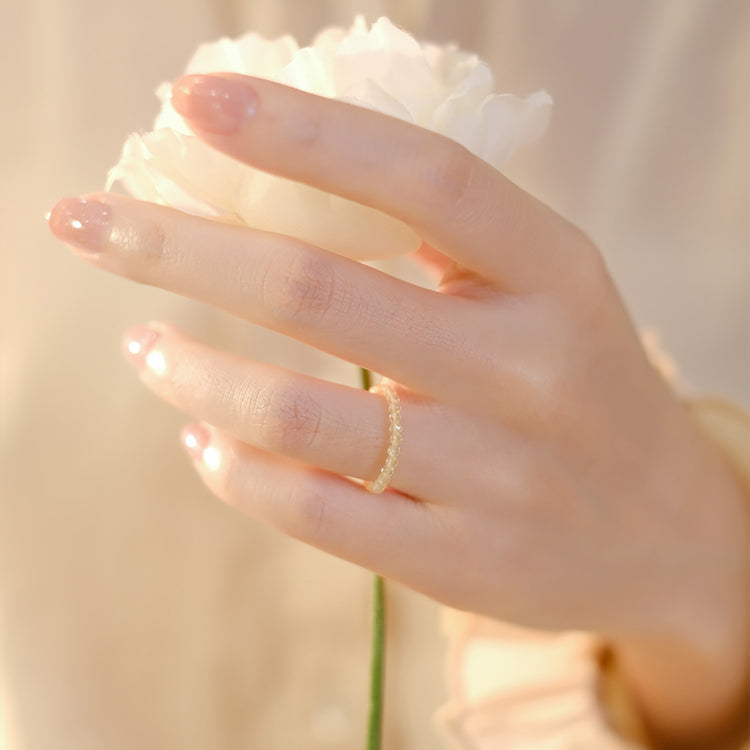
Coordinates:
<point>213,103</point>
<point>195,439</point>
<point>82,222</point>
<point>137,343</point>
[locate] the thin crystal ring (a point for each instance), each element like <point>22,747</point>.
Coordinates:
<point>395,438</point>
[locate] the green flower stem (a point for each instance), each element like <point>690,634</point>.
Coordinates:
<point>377,662</point>
<point>375,722</point>
<point>366,378</point>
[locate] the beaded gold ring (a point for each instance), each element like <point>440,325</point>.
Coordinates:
<point>395,438</point>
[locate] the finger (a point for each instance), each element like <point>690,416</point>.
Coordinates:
<point>457,202</point>
<point>330,426</point>
<point>326,425</point>
<point>346,308</point>
<point>378,532</point>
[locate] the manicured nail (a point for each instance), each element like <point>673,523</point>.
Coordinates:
<point>213,103</point>
<point>137,343</point>
<point>195,439</point>
<point>87,224</point>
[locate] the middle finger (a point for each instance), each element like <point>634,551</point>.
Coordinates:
<point>331,302</point>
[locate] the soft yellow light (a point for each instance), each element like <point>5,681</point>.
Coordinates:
<point>212,458</point>
<point>156,362</point>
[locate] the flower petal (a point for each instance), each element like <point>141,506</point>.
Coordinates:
<point>379,67</point>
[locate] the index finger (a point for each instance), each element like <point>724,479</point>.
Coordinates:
<point>456,201</point>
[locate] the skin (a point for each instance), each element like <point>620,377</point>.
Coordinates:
<point>548,476</point>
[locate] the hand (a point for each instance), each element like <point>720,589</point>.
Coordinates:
<point>547,474</point>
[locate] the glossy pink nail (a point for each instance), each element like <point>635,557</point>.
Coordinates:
<point>214,103</point>
<point>85,223</point>
<point>138,342</point>
<point>195,439</point>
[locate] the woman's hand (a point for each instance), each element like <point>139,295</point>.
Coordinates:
<point>547,475</point>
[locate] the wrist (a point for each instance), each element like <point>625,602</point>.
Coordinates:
<point>686,698</point>
<point>687,668</point>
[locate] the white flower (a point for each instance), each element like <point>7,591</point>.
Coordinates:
<point>382,68</point>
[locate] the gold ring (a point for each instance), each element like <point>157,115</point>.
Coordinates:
<point>395,437</point>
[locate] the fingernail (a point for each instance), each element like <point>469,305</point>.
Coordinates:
<point>195,439</point>
<point>87,224</point>
<point>213,103</point>
<point>137,344</point>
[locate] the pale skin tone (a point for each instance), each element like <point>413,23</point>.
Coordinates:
<point>548,476</point>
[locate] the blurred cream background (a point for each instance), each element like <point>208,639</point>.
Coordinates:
<point>136,611</point>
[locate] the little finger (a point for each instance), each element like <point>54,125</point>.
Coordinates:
<point>322,509</point>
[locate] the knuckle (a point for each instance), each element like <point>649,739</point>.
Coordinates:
<point>289,418</point>
<point>306,290</point>
<point>153,250</point>
<point>591,280</point>
<point>548,378</point>
<point>449,173</point>
<point>557,393</point>
<point>305,131</point>
<point>308,517</point>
